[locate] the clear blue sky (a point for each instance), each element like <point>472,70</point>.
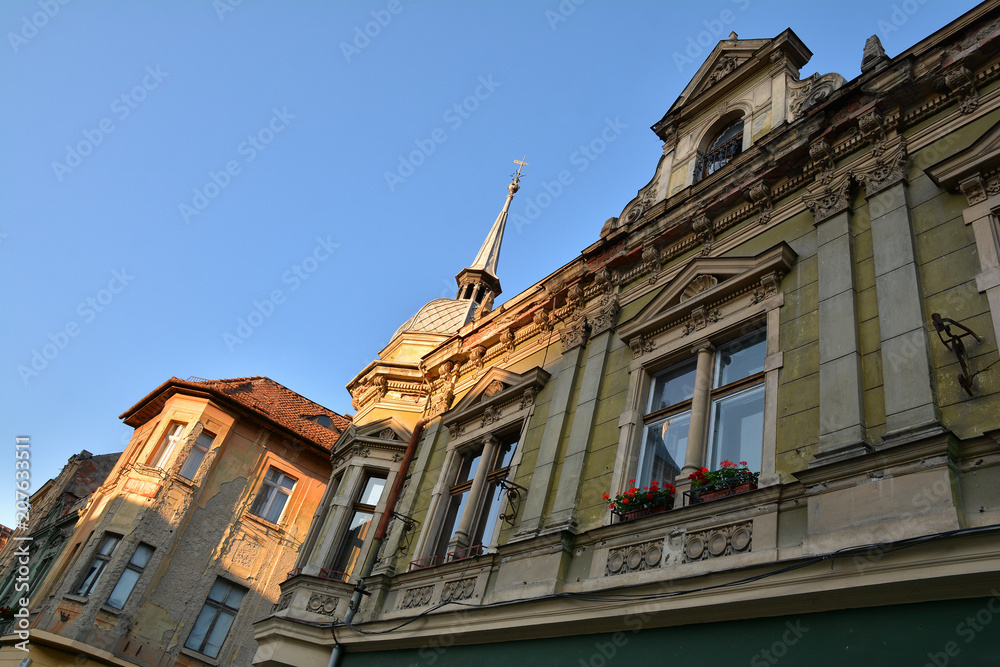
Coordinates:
<point>165,165</point>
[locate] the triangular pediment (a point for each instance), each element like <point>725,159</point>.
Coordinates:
<point>498,387</point>
<point>492,383</point>
<point>981,156</point>
<point>389,432</point>
<point>705,280</point>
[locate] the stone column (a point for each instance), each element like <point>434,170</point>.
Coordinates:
<point>842,431</point>
<point>473,504</point>
<point>906,367</point>
<point>694,457</point>
<point>980,215</point>
<point>545,465</point>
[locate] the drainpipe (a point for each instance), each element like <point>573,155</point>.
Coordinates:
<point>383,527</point>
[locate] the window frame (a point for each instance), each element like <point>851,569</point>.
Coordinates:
<point>131,567</point>
<point>337,569</point>
<point>166,445</point>
<point>220,608</point>
<point>99,560</point>
<point>199,451</point>
<point>277,488</point>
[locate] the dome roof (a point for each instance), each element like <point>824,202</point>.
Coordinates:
<point>440,316</point>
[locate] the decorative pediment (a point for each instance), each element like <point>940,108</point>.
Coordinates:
<point>499,393</point>
<point>384,438</point>
<point>705,282</point>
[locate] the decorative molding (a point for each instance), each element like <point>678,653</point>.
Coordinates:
<point>960,82</point>
<point>702,283</point>
<point>640,345</point>
<point>822,155</point>
<point>760,196</point>
<point>826,200</point>
<point>718,542</point>
<point>812,91</point>
<point>490,415</point>
<point>726,65</point>
<point>873,58</point>
<point>606,317</point>
<point>701,318</point>
<point>887,170</point>
<point>461,589</point>
<point>322,604</point>
<point>702,228</point>
<point>283,602</point>
<point>528,397</point>
<point>574,297</point>
<point>575,334</point>
<point>873,131</point>
<point>416,597</point>
<point>768,287</point>
<point>634,558</point>
<point>476,355</point>
<point>651,262</point>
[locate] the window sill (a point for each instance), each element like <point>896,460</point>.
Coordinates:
<point>76,598</point>
<point>199,656</point>
<point>264,522</point>
<point>110,610</point>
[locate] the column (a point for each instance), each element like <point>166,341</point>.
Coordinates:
<point>694,457</point>
<point>474,505</point>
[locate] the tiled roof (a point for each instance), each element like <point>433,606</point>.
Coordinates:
<point>440,316</point>
<point>265,397</point>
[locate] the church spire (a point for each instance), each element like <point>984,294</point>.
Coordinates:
<point>479,281</point>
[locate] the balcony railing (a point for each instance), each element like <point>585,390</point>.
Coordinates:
<point>433,561</point>
<point>717,158</point>
<point>324,573</point>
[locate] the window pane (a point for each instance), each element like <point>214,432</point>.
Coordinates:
<point>191,465</point>
<point>373,491</point>
<point>672,386</point>
<point>489,519</point>
<point>664,445</point>
<point>204,441</point>
<point>740,358</point>
<point>451,519</point>
<point>235,597</point>
<point>506,454</point>
<point>287,482</point>
<point>353,542</point>
<point>277,504</point>
<point>218,634</point>
<point>738,428</point>
<point>218,592</point>
<point>96,568</point>
<point>470,462</point>
<point>141,555</point>
<point>260,502</point>
<point>123,588</point>
<point>200,629</point>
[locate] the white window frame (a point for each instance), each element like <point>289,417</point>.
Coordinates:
<point>273,488</point>
<point>196,456</point>
<point>105,551</point>
<point>168,443</point>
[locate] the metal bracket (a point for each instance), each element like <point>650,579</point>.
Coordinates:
<point>409,530</point>
<point>954,343</point>
<point>513,492</point>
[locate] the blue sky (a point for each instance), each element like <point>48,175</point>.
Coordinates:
<point>224,189</point>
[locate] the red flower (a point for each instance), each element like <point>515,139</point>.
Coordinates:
<point>631,481</point>
<point>743,463</point>
<point>606,496</point>
<point>649,496</point>
<point>612,505</point>
<point>624,501</point>
<point>728,464</point>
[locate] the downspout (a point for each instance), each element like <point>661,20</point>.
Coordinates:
<point>383,527</point>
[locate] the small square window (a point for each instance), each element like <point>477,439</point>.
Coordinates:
<point>96,569</point>
<point>133,570</point>
<point>197,454</point>
<point>216,617</point>
<point>272,496</point>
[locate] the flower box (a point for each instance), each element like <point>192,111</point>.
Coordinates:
<point>647,511</point>
<point>719,490</point>
<point>634,502</point>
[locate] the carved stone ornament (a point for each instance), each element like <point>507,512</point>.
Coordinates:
<point>604,279</point>
<point>701,318</point>
<point>829,199</point>
<point>476,355</point>
<point>634,558</point>
<point>575,334</point>
<point>528,397</point>
<point>322,604</point>
<point>610,225</point>
<point>507,340</point>
<point>973,190</point>
<point>283,602</point>
<point>416,597</point>
<point>640,346</point>
<point>702,283</point>
<point>458,590</point>
<point>887,170</point>
<point>574,297</point>
<point>718,542</point>
<point>702,227</point>
<point>760,195</point>
<point>822,154</point>
<point>381,385</point>
<point>490,415</point>
<point>726,65</point>
<point>651,261</point>
<point>456,431</point>
<point>387,434</point>
<point>873,131</point>
<point>768,287</point>
<point>541,319</point>
<point>959,81</point>
<point>440,401</point>
<point>492,390</point>
<point>873,56</point>
<point>607,316</point>
<point>812,91</point>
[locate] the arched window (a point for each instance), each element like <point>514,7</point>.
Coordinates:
<point>726,145</point>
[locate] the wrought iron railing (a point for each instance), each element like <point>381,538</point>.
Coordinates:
<point>711,161</point>
<point>433,561</point>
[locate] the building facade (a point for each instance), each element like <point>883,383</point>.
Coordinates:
<point>802,305</point>
<point>184,544</point>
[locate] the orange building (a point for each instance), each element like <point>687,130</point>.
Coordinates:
<point>184,545</point>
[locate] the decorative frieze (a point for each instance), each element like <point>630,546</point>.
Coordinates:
<point>319,603</point>
<point>416,597</point>
<point>701,318</point>
<point>634,558</point>
<point>821,154</point>
<point>718,542</point>
<point>873,131</point>
<point>461,589</point>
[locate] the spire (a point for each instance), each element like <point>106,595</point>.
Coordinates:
<point>479,281</point>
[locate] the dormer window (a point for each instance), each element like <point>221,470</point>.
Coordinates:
<point>726,145</point>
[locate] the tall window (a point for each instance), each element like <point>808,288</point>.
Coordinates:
<point>482,519</point>
<point>735,411</point>
<point>196,455</point>
<point>357,531</point>
<point>133,570</point>
<point>167,445</point>
<point>104,553</point>
<point>726,145</point>
<point>272,496</point>
<point>216,617</point>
